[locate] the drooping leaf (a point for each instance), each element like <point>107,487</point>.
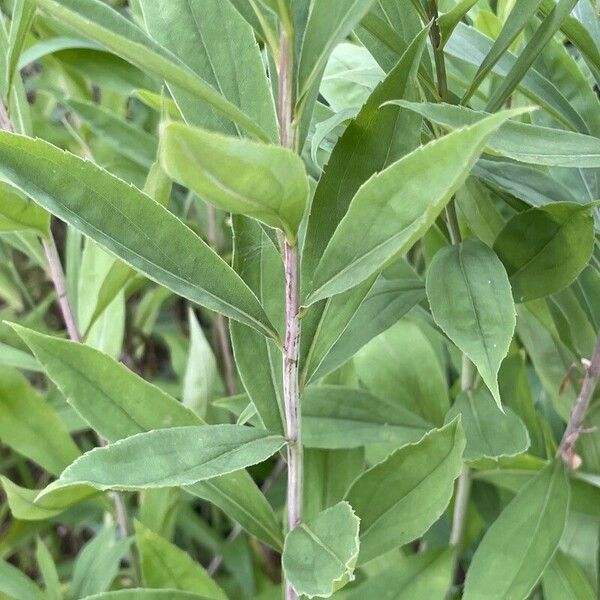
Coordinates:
<point>177,456</point>
<point>29,425</point>
<point>532,248</point>
<point>489,433</point>
<point>520,141</point>
<point>117,404</point>
<point>398,208</point>
<point>521,542</point>
<point>335,416</point>
<point>480,318</point>
<point>319,555</point>
<point>164,565</point>
<point>104,25</point>
<point>414,486</point>
<point>423,576</point>
<point>128,223</point>
<point>266,182</point>
<point>226,56</point>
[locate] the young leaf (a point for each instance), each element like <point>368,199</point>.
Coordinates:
<point>164,565</point>
<point>266,182</point>
<point>117,403</point>
<point>480,319</point>
<point>532,248</point>
<point>47,568</point>
<point>29,425</point>
<point>16,585</point>
<point>489,433</point>
<point>148,460</point>
<point>414,486</point>
<point>319,555</point>
<point>101,23</point>
<point>398,208</point>
<point>423,576</point>
<point>521,542</point>
<point>520,141</point>
<point>128,223</point>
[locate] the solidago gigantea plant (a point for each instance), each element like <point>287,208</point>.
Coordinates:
<point>330,288</point>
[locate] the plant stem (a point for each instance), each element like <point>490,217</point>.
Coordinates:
<point>291,389</point>
<point>566,448</point>
<point>438,51</point>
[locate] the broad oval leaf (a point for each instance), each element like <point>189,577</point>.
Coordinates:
<point>319,555</point>
<point>413,488</point>
<point>521,542</point>
<point>520,141</point>
<point>489,433</point>
<point>398,208</point>
<point>128,223</point>
<point>177,456</point>
<point>164,565</point>
<point>545,248</point>
<point>471,300</point>
<point>262,181</point>
<point>104,25</point>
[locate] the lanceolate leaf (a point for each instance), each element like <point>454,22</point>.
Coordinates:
<point>100,23</point>
<point>398,211</point>
<point>471,300</point>
<point>128,223</point>
<point>16,585</point>
<point>521,542</point>
<point>398,499</point>
<point>532,247</point>
<point>564,579</point>
<point>146,594</point>
<point>319,555</point>
<point>164,565</point>
<point>176,456</point>
<point>266,182</point>
<point>489,433</point>
<point>117,404</point>
<point>520,141</point>
<point>18,213</point>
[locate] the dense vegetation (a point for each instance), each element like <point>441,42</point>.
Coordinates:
<point>299,298</point>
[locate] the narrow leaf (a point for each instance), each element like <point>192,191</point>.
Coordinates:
<point>480,320</point>
<point>128,223</point>
<point>414,486</point>
<point>18,213</point>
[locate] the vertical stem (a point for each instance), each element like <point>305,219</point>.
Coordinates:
<point>566,449</point>
<point>291,389</point>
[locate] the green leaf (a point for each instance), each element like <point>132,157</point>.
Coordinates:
<point>398,208</point>
<point>520,141</point>
<point>47,568</point>
<point>147,460</point>
<point>543,34</point>
<point>164,565</point>
<point>97,564</point>
<point>104,25</point>
<point>18,213</point>
<point>564,579</point>
<point>489,433</point>
<point>414,486</point>
<point>328,24</point>
<point>127,139</point>
<point>480,320</point>
<point>335,416</point>
<point>29,425</point>
<point>117,403</point>
<point>448,21</point>
<point>268,183</point>
<point>417,382</point>
<point>532,247</point>
<point>16,585</point>
<point>13,357</point>
<point>518,546</point>
<point>226,56</point>
<point>515,23</point>
<point>319,555</point>
<point>128,223</point>
<point>423,576</point>
<point>145,594</point>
